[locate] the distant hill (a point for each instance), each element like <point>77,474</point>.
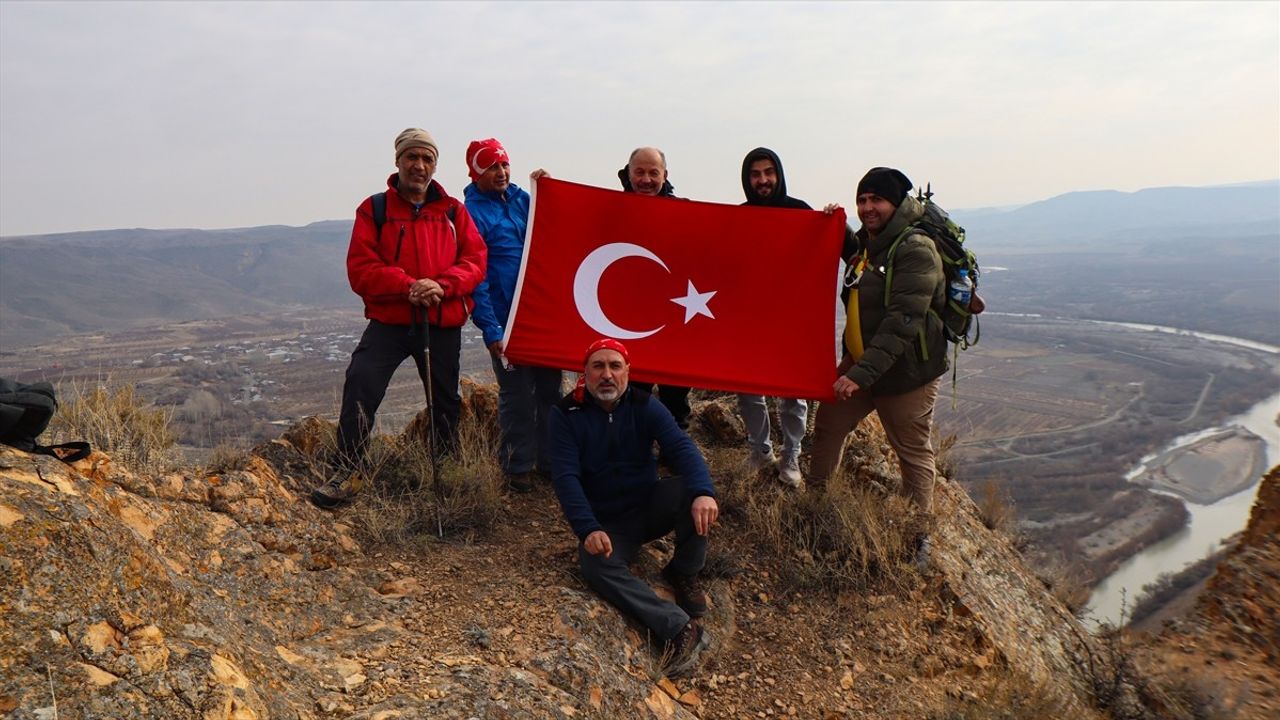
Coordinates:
<point>113,279</point>
<point>1110,216</point>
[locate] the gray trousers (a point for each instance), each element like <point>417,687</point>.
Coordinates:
<point>667,509</point>
<point>525,397</point>
<point>755,415</point>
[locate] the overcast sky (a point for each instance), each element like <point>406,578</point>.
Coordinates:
<point>227,115</point>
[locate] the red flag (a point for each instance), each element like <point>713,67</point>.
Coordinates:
<point>722,297</point>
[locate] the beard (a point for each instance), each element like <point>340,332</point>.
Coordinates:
<point>607,393</point>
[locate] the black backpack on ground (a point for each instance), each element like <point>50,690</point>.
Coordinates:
<point>25,411</point>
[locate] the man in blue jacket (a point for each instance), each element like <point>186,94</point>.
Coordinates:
<point>606,478</point>
<point>500,210</point>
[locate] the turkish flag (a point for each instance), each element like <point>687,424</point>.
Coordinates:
<point>722,297</point>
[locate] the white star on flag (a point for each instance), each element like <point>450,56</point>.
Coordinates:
<point>695,303</point>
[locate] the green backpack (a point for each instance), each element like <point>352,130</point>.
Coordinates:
<point>959,321</point>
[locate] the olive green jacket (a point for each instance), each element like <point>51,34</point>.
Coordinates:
<point>904,344</point>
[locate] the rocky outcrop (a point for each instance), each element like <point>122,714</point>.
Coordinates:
<point>1223,657</point>
<point>1025,624</point>
<point>1243,596</point>
<point>223,595</point>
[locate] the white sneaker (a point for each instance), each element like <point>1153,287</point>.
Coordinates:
<point>789,473</point>
<point>759,461</point>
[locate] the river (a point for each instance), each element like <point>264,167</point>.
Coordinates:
<point>1209,524</point>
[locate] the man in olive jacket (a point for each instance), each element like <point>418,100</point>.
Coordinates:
<point>894,348</point>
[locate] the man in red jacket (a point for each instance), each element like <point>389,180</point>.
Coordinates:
<point>415,269</point>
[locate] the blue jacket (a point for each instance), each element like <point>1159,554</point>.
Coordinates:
<point>501,219</point>
<point>602,462</point>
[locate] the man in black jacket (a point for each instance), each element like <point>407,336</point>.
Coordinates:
<point>646,174</point>
<point>765,185</point>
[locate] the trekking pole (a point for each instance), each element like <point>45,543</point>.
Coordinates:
<point>424,370</point>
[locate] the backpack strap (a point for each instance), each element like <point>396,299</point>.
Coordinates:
<point>379,201</point>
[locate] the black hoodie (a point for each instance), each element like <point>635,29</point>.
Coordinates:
<point>779,197</point>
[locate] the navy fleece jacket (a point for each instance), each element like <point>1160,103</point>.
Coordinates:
<point>602,463</point>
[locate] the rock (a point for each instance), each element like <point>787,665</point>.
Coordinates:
<point>669,687</point>
<point>690,699</point>
<point>402,587</point>
<point>714,424</point>
<point>97,676</point>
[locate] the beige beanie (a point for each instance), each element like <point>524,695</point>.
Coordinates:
<point>415,138</point>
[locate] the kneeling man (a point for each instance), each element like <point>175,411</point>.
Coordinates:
<point>602,462</point>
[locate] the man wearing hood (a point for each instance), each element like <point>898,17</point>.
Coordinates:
<point>500,209</point>
<point>765,186</point>
<point>646,174</point>
<point>894,347</point>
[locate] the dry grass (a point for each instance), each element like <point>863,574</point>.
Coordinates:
<point>1006,695</point>
<point>117,421</point>
<point>846,538</point>
<point>995,507</point>
<point>1123,691</point>
<point>943,459</point>
<point>404,502</point>
<point>227,458</point>
<point>1066,578</point>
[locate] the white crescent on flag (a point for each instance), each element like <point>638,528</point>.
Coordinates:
<point>586,291</point>
<point>586,288</point>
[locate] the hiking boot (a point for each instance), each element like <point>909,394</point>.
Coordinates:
<point>789,473</point>
<point>683,651</point>
<point>923,550</point>
<point>689,593</point>
<point>337,490</point>
<point>759,461</point>
<point>520,482</point>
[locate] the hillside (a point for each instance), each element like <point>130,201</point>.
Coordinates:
<point>1229,645</point>
<point>77,283</point>
<point>1102,218</point>
<point>219,593</point>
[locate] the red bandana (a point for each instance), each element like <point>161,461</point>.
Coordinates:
<point>601,344</point>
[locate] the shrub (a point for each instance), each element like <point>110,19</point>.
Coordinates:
<point>944,460</point>
<point>116,421</point>
<point>402,503</point>
<point>995,507</point>
<point>1123,691</point>
<point>227,458</point>
<point>1006,696</point>
<point>1169,585</point>
<point>1066,578</point>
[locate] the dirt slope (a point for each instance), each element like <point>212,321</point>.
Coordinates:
<point>202,595</point>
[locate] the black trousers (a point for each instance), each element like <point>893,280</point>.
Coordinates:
<point>676,399</point>
<point>667,509</point>
<point>381,350</point>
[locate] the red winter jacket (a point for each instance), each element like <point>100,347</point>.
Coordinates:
<point>415,245</point>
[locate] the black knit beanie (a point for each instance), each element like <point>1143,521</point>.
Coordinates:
<point>888,183</point>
